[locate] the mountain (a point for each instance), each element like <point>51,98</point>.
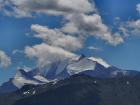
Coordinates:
<point>59,70</point>
<point>77,81</point>
<point>91,66</point>
<point>8,87</point>
<point>79,89</point>
<point>23,77</point>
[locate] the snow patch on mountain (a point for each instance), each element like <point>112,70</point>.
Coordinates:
<point>100,61</point>
<point>41,78</point>
<point>80,66</point>
<point>24,77</point>
<point>21,81</point>
<point>62,65</point>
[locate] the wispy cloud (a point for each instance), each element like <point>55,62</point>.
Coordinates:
<point>138,7</point>
<point>5,60</point>
<point>94,48</point>
<point>132,26</point>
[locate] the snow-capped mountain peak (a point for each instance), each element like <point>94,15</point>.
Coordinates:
<point>24,77</point>
<point>84,63</point>
<point>59,70</point>
<point>100,61</point>
<point>80,66</point>
<point>20,79</point>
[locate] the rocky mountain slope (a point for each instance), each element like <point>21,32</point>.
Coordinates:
<point>79,90</point>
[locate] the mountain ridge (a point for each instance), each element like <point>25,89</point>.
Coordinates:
<point>59,70</point>
<point>79,89</point>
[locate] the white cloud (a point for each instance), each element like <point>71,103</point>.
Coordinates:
<point>17,51</point>
<point>46,53</point>
<point>91,25</point>
<point>131,27</point>
<point>94,48</point>
<point>80,21</point>
<point>74,11</point>
<point>57,38</point>
<point>25,8</point>
<point>124,31</point>
<point>56,45</point>
<point>134,24</point>
<point>138,7</point>
<point>5,61</point>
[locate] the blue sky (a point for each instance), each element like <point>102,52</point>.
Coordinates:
<point>16,34</point>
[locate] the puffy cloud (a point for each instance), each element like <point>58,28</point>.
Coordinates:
<point>74,12</point>
<point>134,24</point>
<point>56,45</point>
<point>80,21</point>
<point>46,53</point>
<point>5,61</point>
<point>91,25</point>
<point>138,7</point>
<point>25,8</point>
<point>57,38</point>
<point>134,27</point>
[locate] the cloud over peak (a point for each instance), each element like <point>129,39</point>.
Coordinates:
<point>46,54</point>
<point>56,45</point>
